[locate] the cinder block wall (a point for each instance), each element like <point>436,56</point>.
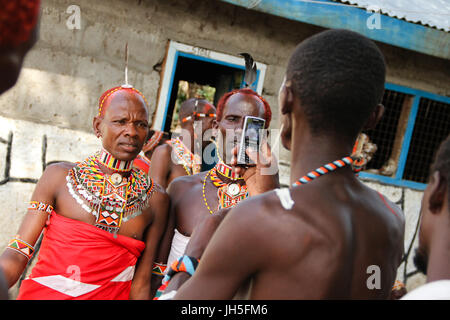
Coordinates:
<point>48,115</point>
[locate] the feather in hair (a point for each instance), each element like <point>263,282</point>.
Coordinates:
<point>250,70</point>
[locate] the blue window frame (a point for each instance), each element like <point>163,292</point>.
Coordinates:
<point>417,96</point>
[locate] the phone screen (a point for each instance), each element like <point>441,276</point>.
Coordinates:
<point>250,138</point>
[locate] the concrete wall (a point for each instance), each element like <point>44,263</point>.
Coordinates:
<point>65,74</point>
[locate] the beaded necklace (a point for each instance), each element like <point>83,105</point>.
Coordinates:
<point>323,170</point>
<point>112,199</point>
<point>229,194</point>
<point>187,159</point>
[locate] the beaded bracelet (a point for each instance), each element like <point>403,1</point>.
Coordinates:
<point>182,264</point>
<point>40,206</point>
<point>159,269</point>
<point>21,247</point>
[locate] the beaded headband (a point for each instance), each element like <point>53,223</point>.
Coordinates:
<point>108,93</point>
<point>198,115</point>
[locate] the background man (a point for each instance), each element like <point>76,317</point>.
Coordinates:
<point>193,198</point>
<point>317,239</point>
<point>102,218</point>
<point>176,158</point>
<point>433,255</point>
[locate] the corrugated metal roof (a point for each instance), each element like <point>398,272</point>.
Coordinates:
<point>433,13</point>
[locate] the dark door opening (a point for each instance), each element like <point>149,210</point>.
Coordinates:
<point>213,79</point>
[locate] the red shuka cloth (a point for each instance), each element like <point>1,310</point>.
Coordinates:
<point>79,261</point>
<point>142,163</point>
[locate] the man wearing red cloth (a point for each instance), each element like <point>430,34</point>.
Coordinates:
<point>102,218</point>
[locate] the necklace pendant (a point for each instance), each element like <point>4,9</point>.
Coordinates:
<point>116,179</point>
<point>233,189</point>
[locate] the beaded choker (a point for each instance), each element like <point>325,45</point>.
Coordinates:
<point>323,170</point>
<point>229,194</point>
<point>227,172</point>
<point>110,162</point>
<point>112,199</point>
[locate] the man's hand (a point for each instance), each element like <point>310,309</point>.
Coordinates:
<point>261,177</point>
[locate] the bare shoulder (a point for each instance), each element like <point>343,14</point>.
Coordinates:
<point>388,204</point>
<point>52,180</point>
<point>267,204</point>
<point>162,151</point>
<point>262,226</point>
<point>159,193</point>
<point>183,183</point>
<point>57,170</point>
<point>267,212</point>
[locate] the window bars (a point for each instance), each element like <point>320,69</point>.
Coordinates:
<point>431,127</point>
<point>412,128</point>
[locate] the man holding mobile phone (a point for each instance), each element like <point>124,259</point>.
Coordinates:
<point>320,238</point>
<point>193,198</point>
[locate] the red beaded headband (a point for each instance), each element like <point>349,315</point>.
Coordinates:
<point>196,115</point>
<point>109,92</point>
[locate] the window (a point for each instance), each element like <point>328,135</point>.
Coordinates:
<point>412,128</point>
<point>386,130</point>
<point>431,128</point>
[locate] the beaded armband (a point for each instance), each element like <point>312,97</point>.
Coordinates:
<point>22,247</point>
<point>40,206</point>
<point>182,264</point>
<point>159,269</point>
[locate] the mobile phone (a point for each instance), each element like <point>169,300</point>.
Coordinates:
<point>250,138</point>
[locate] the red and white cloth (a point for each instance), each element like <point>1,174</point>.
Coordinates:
<point>79,261</point>
<point>142,162</point>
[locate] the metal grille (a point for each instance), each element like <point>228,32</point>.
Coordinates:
<point>432,126</point>
<point>384,133</point>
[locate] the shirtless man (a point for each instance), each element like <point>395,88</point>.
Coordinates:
<point>195,197</point>
<point>433,257</point>
<point>99,212</point>
<point>176,157</point>
<point>317,239</point>
<point>19,33</point>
